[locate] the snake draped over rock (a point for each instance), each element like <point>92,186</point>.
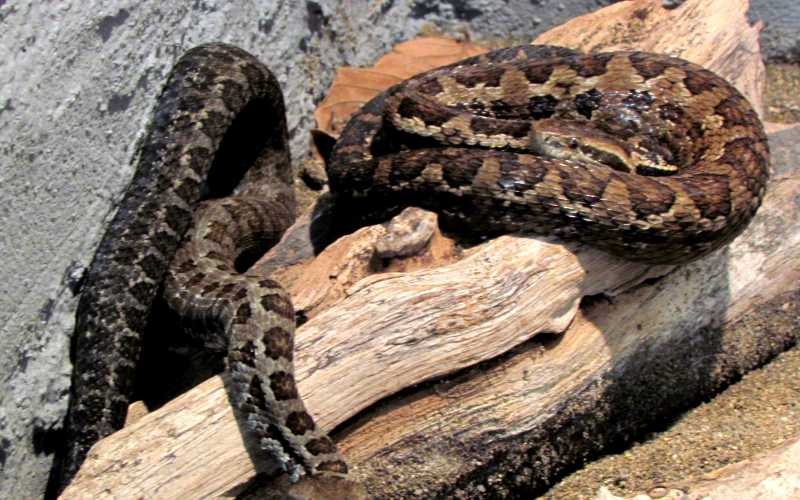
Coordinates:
<point>648,157</point>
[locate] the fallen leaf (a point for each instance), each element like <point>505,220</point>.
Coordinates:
<point>352,87</point>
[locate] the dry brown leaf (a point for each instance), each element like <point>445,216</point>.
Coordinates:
<point>352,87</point>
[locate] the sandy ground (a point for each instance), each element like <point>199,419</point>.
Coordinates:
<point>759,412</point>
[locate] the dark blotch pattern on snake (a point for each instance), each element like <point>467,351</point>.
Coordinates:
<point>458,140</point>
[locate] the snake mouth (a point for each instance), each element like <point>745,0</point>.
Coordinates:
<point>584,142</point>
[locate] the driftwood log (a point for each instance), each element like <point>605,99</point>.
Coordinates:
<point>485,372</point>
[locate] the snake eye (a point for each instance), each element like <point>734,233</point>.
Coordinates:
<point>574,143</point>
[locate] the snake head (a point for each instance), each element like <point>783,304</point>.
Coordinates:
<point>583,142</point>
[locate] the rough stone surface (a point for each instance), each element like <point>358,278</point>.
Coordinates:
<point>77,83</point>
<point>780,38</point>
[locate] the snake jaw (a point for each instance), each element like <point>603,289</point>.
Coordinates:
<point>583,142</point>
<point>580,142</point>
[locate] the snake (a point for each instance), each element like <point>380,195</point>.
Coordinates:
<point>646,156</point>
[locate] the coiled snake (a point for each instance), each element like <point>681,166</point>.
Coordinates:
<point>651,158</point>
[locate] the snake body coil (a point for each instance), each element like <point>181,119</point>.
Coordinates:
<point>696,132</point>
<point>458,140</point>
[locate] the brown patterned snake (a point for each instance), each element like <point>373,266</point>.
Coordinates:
<point>650,158</point>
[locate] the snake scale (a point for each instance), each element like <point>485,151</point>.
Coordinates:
<point>649,157</point>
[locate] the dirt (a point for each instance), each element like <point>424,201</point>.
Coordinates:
<point>759,412</point>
